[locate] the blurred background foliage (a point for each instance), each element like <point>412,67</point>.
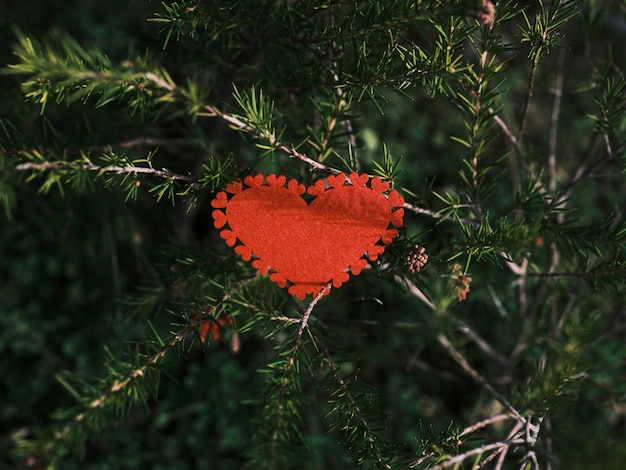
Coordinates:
<point>82,271</point>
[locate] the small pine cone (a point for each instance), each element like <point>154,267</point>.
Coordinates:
<point>417,259</point>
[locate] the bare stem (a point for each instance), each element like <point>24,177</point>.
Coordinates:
<point>554,120</point>
<point>529,96</point>
<point>238,124</point>
<point>291,362</point>
<point>436,215</point>
<point>458,357</point>
<point>477,451</point>
<point>486,422</point>
<point>118,170</point>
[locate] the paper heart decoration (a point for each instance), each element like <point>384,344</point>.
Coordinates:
<point>308,245</point>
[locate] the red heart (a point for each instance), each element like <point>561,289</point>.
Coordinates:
<point>308,245</point>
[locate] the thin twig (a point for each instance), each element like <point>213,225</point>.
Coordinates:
<point>476,451</point>
<point>513,156</point>
<point>513,433</point>
<point>585,170</point>
<point>486,422</point>
<point>529,96</point>
<point>271,139</point>
<point>509,134</point>
<point>415,291</point>
<point>458,357</point>
<point>118,170</point>
<point>554,120</point>
<point>304,321</point>
<point>238,124</point>
<point>483,345</point>
<point>436,215</point>
<point>141,142</point>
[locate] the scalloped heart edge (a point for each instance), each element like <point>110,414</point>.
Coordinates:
<point>300,290</point>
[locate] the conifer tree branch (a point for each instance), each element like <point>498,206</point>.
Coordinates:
<point>304,323</point>
<point>240,125</point>
<point>372,439</point>
<point>286,376</point>
<point>436,215</point>
<point>272,141</point>
<point>118,388</point>
<point>118,170</point>
<point>481,84</point>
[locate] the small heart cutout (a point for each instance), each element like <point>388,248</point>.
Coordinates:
<point>308,245</point>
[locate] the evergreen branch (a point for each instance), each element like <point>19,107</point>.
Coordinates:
<point>64,71</point>
<point>361,419</point>
<point>273,141</point>
<point>118,170</point>
<point>278,433</point>
<point>304,322</point>
<point>482,85</point>
<point>84,423</point>
<point>237,123</point>
<point>72,79</point>
<point>438,215</point>
<point>542,35</point>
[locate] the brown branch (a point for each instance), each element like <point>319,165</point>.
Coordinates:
<point>415,291</point>
<point>501,453</point>
<point>483,345</point>
<point>585,170</point>
<point>529,97</point>
<point>554,120</point>
<point>458,357</point>
<point>118,170</point>
<point>436,215</point>
<point>486,422</point>
<point>304,321</point>
<point>238,124</point>
<point>476,451</point>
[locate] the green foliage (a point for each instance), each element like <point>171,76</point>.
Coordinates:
<point>489,333</point>
<point>65,72</point>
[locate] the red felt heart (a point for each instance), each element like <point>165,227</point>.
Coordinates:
<point>308,245</point>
